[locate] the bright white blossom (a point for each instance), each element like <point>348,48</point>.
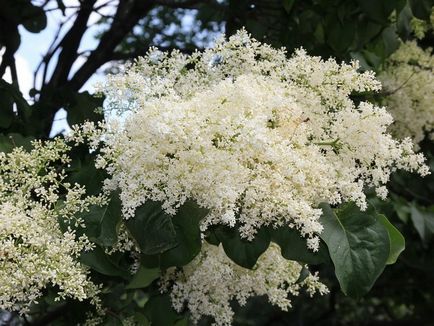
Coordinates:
<point>254,137</point>
<point>211,281</point>
<point>408,81</point>
<point>34,252</point>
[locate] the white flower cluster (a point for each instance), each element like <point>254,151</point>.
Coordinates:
<point>211,281</point>
<point>254,137</point>
<point>34,252</point>
<point>408,80</point>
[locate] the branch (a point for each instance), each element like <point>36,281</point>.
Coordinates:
<point>14,75</point>
<point>70,44</point>
<point>128,14</point>
<point>11,46</point>
<point>53,47</point>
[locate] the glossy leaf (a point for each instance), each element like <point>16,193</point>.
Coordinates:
<point>396,240</point>
<point>83,108</point>
<point>359,247</point>
<point>102,223</point>
<point>152,228</point>
<point>186,224</point>
<point>293,246</point>
<point>143,278</point>
<point>243,252</point>
<point>100,262</point>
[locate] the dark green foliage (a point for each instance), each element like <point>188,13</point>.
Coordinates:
<point>159,310</point>
<point>188,238</point>
<point>165,240</point>
<point>242,251</point>
<point>152,228</point>
<point>293,247</point>
<point>102,223</point>
<point>99,261</point>
<point>359,247</point>
<point>82,108</point>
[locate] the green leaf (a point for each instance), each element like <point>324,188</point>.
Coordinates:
<point>243,252</point>
<point>367,32</point>
<point>152,228</point>
<point>403,22</point>
<point>391,41</point>
<point>293,246</point>
<point>423,221</point>
<point>99,261</point>
<point>84,172</point>
<point>102,223</point>
<point>372,58</point>
<point>421,8</point>
<point>10,141</point>
<point>400,206</point>
<point>364,65</point>
<point>396,240</point>
<point>83,108</point>
<point>143,278</point>
<point>188,236</point>
<point>141,319</point>
<point>160,312</point>
<point>340,36</point>
<point>359,247</point>
<point>182,322</point>
<point>377,10</point>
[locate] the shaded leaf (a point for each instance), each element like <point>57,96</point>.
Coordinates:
<point>6,109</point>
<point>83,108</point>
<point>10,141</point>
<point>188,236</point>
<point>243,252</point>
<point>423,221</point>
<point>99,261</point>
<point>143,278</point>
<point>102,223</point>
<point>293,246</point>
<point>152,228</point>
<point>421,8</point>
<point>160,312</point>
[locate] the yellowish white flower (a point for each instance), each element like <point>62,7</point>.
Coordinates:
<point>408,81</point>
<point>34,252</point>
<point>254,137</point>
<point>211,281</point>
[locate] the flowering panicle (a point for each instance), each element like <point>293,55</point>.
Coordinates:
<point>256,138</point>
<point>34,252</point>
<point>211,281</point>
<point>408,80</point>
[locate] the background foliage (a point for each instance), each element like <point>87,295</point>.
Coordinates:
<point>367,30</point>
